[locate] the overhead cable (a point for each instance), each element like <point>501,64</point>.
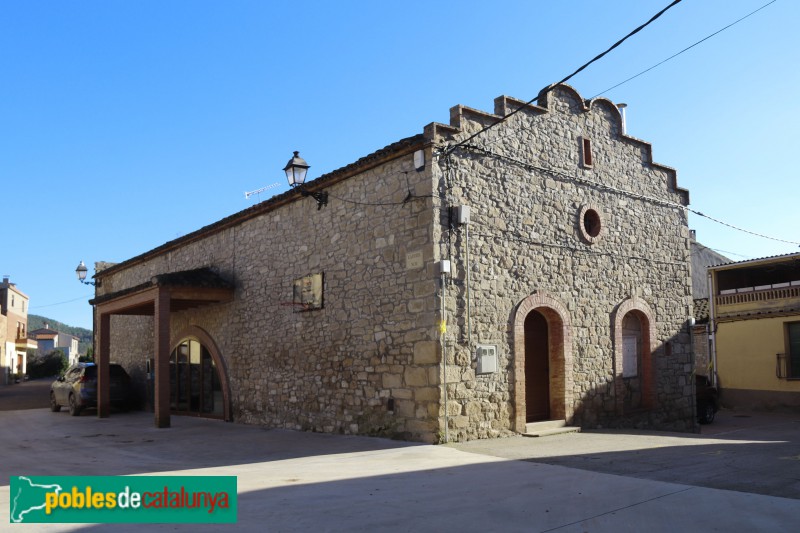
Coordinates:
<point>684,50</point>
<point>564,80</point>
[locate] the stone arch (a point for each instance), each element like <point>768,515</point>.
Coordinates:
<point>644,314</point>
<point>559,353</point>
<point>199,334</point>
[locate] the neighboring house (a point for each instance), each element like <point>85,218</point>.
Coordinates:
<point>536,272</point>
<point>755,312</point>
<point>14,342</point>
<point>50,339</point>
<point>702,258</point>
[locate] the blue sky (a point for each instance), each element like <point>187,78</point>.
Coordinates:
<point>127,124</point>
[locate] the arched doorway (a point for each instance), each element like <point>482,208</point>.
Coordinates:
<point>543,381</point>
<point>631,362</point>
<point>194,384</point>
<point>537,368</point>
<point>198,382</point>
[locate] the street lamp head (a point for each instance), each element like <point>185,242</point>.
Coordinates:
<point>296,170</point>
<point>81,271</point>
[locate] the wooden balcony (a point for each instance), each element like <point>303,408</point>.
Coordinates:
<point>751,301</point>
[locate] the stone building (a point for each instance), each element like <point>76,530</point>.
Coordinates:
<point>703,258</point>
<point>447,285</point>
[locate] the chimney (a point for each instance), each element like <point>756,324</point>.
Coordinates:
<point>693,234</point>
<point>621,108</point>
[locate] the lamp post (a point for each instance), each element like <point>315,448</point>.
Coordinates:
<point>296,170</point>
<point>81,273</point>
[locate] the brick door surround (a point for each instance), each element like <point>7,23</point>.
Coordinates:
<point>640,308</point>
<point>560,354</point>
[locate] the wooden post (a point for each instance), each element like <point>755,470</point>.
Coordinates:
<point>161,326</point>
<point>102,357</point>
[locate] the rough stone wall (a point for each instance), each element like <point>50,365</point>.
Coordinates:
<point>582,244</point>
<point>334,369</point>
<point>528,188</point>
<point>702,357</point>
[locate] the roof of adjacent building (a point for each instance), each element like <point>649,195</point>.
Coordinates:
<point>760,260</point>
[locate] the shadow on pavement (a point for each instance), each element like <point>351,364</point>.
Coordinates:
<point>754,452</point>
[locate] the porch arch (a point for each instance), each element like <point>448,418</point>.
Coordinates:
<point>200,335</point>
<point>559,353</point>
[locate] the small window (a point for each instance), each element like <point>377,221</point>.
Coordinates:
<point>586,152</point>
<point>591,224</point>
<point>630,357</point>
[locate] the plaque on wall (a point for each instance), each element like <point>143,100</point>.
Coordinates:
<point>307,293</point>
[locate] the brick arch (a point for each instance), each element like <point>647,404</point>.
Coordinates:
<point>647,320</point>
<point>560,354</point>
<point>198,333</point>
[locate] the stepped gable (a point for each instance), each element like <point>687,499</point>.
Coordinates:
<point>562,98</point>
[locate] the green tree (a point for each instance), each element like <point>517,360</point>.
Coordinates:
<point>53,363</point>
<point>89,357</point>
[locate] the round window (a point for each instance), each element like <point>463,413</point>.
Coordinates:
<point>591,224</point>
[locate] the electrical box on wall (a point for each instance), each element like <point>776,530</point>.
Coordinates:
<point>461,214</point>
<point>487,358</point>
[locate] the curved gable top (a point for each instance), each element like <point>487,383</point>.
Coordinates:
<point>558,98</point>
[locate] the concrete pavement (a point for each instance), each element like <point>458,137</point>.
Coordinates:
<point>290,481</point>
<point>748,452</point>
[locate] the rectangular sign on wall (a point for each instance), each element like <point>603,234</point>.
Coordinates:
<point>307,292</point>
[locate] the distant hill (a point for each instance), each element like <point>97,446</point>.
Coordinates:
<point>84,335</point>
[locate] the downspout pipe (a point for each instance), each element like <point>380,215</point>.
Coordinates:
<point>712,327</point>
<point>444,269</point>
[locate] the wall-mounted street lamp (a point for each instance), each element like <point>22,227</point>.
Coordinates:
<point>81,273</point>
<point>296,170</point>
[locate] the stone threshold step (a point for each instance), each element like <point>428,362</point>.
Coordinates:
<point>552,431</point>
<point>548,427</point>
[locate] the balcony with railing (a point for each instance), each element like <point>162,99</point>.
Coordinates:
<point>24,343</point>
<point>765,299</point>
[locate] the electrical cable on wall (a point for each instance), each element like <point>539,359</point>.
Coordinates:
<point>609,188</point>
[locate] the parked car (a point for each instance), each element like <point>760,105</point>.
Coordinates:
<point>77,388</point>
<point>707,399</point>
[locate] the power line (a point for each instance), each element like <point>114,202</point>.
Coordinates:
<point>58,303</point>
<point>603,186</point>
<point>737,228</point>
<point>564,80</point>
<point>684,50</point>
<point>498,139</point>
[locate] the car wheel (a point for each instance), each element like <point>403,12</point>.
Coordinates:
<point>53,403</point>
<point>707,413</point>
<point>74,408</point>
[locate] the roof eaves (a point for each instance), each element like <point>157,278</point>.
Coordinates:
<point>397,149</point>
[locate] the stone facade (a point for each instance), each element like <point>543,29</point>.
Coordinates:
<point>531,247</point>
<point>571,225</point>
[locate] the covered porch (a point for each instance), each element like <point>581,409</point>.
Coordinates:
<point>163,295</point>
